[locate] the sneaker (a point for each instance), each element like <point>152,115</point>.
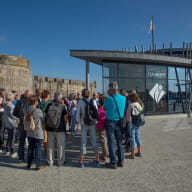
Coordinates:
<point>138,155</point>
<point>29,166</point>
<point>81,165</point>
<point>130,157</point>
<point>97,163</point>
<point>110,165</point>
<point>21,161</point>
<point>120,163</point>
<point>7,153</point>
<point>40,168</point>
<point>1,151</point>
<point>14,155</point>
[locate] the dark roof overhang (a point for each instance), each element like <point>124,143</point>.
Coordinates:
<point>98,56</point>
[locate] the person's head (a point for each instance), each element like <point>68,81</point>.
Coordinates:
<point>113,88</point>
<point>2,93</point>
<point>38,92</point>
<point>45,95</point>
<point>85,93</point>
<point>95,95</point>
<point>74,96</point>
<point>58,97</point>
<point>133,91</point>
<point>124,93</point>
<point>78,95</point>
<point>101,100</point>
<point>28,93</point>
<point>33,100</point>
<point>16,95</point>
<point>10,97</point>
<point>133,97</point>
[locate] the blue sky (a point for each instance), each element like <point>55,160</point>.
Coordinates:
<point>44,31</point>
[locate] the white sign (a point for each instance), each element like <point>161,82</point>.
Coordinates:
<point>157,92</point>
<point>156,74</point>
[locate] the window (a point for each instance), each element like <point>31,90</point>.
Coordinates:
<point>110,70</point>
<point>132,70</point>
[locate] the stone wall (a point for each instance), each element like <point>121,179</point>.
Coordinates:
<point>61,85</point>
<point>15,73</point>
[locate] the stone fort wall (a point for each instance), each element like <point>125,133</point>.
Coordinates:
<point>16,74</point>
<point>61,85</point>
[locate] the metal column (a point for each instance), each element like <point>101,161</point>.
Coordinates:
<point>87,74</point>
<point>179,87</point>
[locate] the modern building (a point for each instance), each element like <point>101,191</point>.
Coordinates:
<point>162,78</point>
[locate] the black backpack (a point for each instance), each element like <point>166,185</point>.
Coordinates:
<point>91,113</point>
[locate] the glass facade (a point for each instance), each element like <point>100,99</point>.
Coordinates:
<point>162,88</point>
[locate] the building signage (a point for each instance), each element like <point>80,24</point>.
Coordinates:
<point>157,92</point>
<point>156,74</point>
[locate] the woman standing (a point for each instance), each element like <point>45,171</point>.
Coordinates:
<point>101,129</point>
<point>73,111</point>
<point>35,137</point>
<point>135,137</point>
<point>10,124</point>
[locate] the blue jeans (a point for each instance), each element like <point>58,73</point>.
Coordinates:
<point>92,133</point>
<point>34,148</point>
<point>113,130</point>
<point>73,120</point>
<point>135,136</point>
<point>22,137</point>
<point>11,140</point>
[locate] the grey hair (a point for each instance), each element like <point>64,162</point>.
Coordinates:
<point>57,97</point>
<point>113,86</point>
<point>10,95</point>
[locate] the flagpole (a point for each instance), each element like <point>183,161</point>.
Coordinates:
<point>153,39</point>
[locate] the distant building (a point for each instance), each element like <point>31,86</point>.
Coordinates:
<point>160,78</point>
<point>16,74</point>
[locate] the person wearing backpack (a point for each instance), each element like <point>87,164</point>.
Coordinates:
<point>20,109</point>
<point>36,136</point>
<point>133,112</point>
<point>56,128</point>
<point>114,106</point>
<point>87,116</point>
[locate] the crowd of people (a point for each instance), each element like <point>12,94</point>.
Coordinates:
<point>42,122</point>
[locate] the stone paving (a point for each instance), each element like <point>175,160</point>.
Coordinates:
<point>166,165</point>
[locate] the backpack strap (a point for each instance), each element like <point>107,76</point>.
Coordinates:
<point>116,107</point>
<point>86,101</point>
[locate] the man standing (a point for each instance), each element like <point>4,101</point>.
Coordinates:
<point>21,108</point>
<point>81,116</point>
<point>113,127</point>
<point>56,127</point>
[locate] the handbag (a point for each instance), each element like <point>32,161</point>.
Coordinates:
<point>122,120</point>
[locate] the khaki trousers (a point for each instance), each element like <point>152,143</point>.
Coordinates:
<point>103,141</point>
<point>56,139</point>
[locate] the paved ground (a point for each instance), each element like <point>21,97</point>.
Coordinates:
<point>166,165</point>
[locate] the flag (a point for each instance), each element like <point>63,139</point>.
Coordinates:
<point>151,27</point>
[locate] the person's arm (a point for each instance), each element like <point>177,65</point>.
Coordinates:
<point>17,109</point>
<point>10,113</point>
<point>78,113</point>
<point>128,113</point>
<point>64,114</point>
